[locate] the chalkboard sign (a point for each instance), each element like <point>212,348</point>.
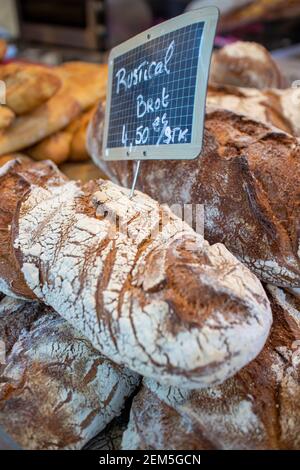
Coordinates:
<point>157,90</point>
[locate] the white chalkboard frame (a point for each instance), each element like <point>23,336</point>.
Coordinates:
<point>182,151</point>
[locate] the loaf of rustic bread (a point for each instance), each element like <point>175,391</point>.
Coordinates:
<point>7,116</point>
<point>16,177</point>
<point>147,291</point>
<point>82,85</point>
<point>245,64</point>
<point>56,391</point>
<point>248,179</point>
<point>259,408</point>
<point>28,86</point>
<point>277,108</point>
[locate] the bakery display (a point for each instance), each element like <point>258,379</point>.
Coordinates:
<point>53,107</point>
<point>259,408</point>
<point>123,288</point>
<point>56,391</point>
<point>123,327</point>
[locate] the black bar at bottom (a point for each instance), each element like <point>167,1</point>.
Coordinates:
<point>137,459</point>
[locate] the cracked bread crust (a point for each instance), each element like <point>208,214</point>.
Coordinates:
<point>277,108</point>
<point>258,408</point>
<point>56,391</point>
<point>16,178</point>
<point>247,178</point>
<point>136,297</point>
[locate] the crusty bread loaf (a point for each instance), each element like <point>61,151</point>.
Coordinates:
<point>67,144</point>
<point>56,148</point>
<point>56,391</point>
<point>259,408</point>
<point>86,82</point>
<point>7,116</point>
<point>82,86</point>
<point>145,289</point>
<point>45,120</point>
<point>16,176</point>
<point>247,177</point>
<point>245,64</point>
<point>78,150</point>
<point>28,86</point>
<point>278,108</point>
<point>287,103</point>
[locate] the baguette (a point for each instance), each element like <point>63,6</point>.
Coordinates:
<point>247,177</point>
<point>7,116</point>
<point>154,297</point>
<point>56,148</point>
<point>259,408</point>
<point>68,144</point>
<point>79,91</point>
<point>28,86</point>
<point>56,391</point>
<point>87,82</point>
<point>246,64</point>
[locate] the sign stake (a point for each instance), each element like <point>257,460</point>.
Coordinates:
<point>135,178</point>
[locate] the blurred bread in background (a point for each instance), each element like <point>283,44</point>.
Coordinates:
<point>28,86</point>
<point>246,64</point>
<point>6,117</point>
<point>2,49</point>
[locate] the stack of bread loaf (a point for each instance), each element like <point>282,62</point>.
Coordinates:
<point>47,109</point>
<point>104,291</point>
<point>248,179</point>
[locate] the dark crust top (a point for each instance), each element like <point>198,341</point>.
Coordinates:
<point>247,177</point>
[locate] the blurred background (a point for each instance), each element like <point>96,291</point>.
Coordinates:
<point>58,30</point>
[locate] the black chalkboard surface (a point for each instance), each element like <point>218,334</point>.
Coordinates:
<point>157,90</point>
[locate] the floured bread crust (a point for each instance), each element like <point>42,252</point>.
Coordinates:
<point>56,391</point>
<point>16,176</point>
<point>247,178</point>
<point>258,408</point>
<point>156,298</point>
<point>277,108</point>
